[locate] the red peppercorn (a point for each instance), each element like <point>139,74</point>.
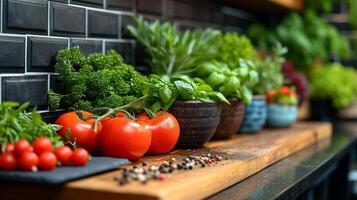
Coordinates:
<point>161,177</point>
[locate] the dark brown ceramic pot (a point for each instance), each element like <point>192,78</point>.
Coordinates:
<point>231,119</point>
<point>198,122</point>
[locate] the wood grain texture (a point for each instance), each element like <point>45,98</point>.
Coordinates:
<point>248,154</point>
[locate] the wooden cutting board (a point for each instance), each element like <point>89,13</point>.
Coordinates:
<point>248,154</point>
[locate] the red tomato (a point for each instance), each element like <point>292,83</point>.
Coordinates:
<point>41,145</point>
<point>9,148</point>
<point>121,114</point>
<point>285,90</point>
<point>47,161</point>
<point>81,131</point>
<point>165,131</point>
<point>8,161</point>
<point>105,120</point>
<point>28,161</point>
<point>125,138</point>
<point>270,94</point>
<point>63,154</point>
<point>22,146</point>
<point>79,157</point>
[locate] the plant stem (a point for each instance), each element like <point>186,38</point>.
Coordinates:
<point>111,111</point>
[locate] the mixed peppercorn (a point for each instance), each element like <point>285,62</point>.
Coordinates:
<point>143,173</point>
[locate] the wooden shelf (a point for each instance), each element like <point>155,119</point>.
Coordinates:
<point>248,154</point>
<point>269,5</point>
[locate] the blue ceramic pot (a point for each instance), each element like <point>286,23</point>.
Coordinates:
<point>281,116</point>
<point>254,116</point>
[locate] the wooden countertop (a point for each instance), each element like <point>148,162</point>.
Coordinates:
<point>248,154</point>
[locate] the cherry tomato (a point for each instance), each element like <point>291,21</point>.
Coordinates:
<point>28,161</point>
<point>8,161</point>
<point>41,145</point>
<point>81,131</point>
<point>270,95</point>
<point>105,120</point>
<point>63,154</point>
<point>22,146</point>
<point>118,115</point>
<point>79,157</point>
<point>9,148</point>
<point>121,114</point>
<point>47,161</point>
<point>165,131</point>
<point>285,90</point>
<point>125,138</point>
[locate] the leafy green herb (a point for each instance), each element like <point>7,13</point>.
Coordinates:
<point>307,36</point>
<point>231,83</point>
<point>94,81</point>
<point>16,123</point>
<point>171,51</point>
<point>232,47</point>
<point>269,71</point>
<point>162,92</point>
<point>334,82</point>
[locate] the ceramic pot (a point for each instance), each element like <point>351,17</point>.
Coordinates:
<point>255,115</point>
<point>198,122</point>
<point>231,119</point>
<point>281,116</point>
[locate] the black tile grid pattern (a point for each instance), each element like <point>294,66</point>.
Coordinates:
<point>32,31</point>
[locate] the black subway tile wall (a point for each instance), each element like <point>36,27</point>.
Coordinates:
<point>126,20</point>
<point>101,24</point>
<point>41,52</point>
<point>67,20</point>
<point>125,49</point>
<point>126,5</point>
<point>25,16</point>
<point>33,31</point>
<point>88,46</point>
<point>23,89</point>
<point>93,3</point>
<point>151,7</point>
<point>12,54</point>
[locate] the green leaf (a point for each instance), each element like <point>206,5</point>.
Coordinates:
<point>165,94</point>
<point>215,79</point>
<point>156,106</point>
<point>219,97</point>
<point>185,90</point>
<point>36,117</point>
<point>246,95</point>
<point>68,135</point>
<point>23,107</point>
<point>204,87</point>
<point>230,86</point>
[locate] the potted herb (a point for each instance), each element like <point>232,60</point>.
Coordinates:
<point>233,74</point>
<point>172,54</point>
<point>270,77</point>
<point>282,107</point>
<point>233,84</point>
<point>332,87</point>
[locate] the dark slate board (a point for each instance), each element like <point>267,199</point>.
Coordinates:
<point>64,174</point>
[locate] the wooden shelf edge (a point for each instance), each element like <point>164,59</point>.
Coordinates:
<point>269,5</point>
<point>290,4</point>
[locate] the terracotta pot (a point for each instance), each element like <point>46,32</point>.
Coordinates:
<point>255,115</point>
<point>231,119</point>
<point>198,122</point>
